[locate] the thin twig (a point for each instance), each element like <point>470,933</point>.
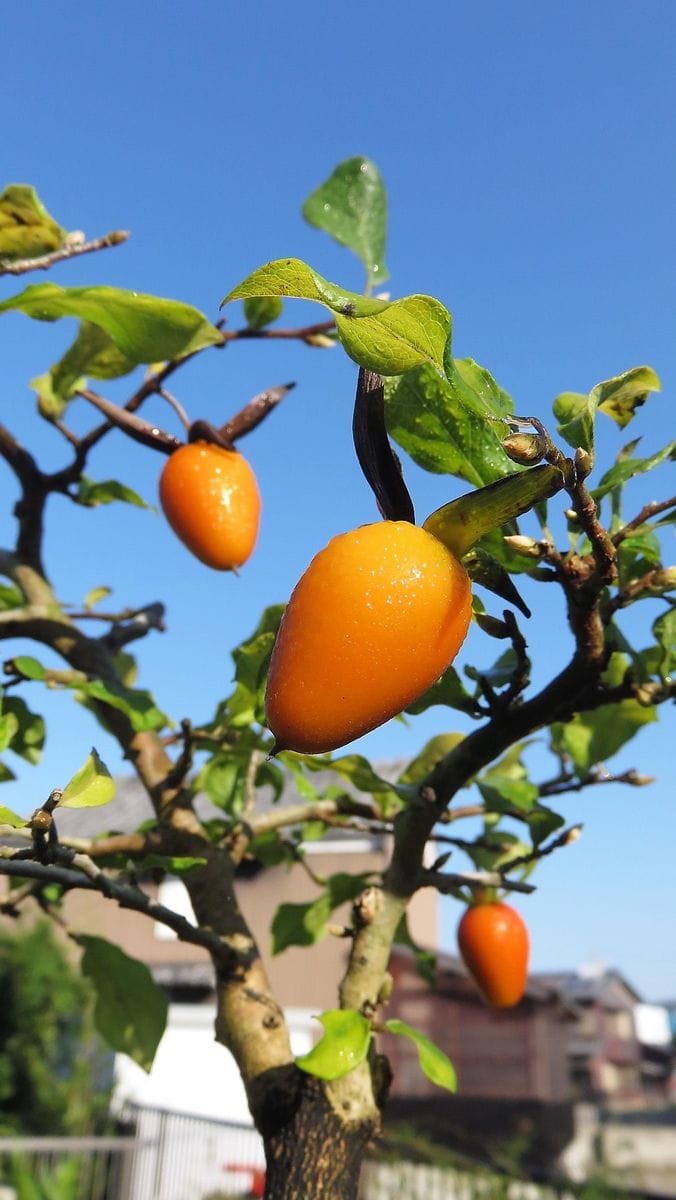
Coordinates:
<point>72,249</point>
<point>646,514</point>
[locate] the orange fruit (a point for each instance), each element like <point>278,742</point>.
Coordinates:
<point>493,942</point>
<point>210,498</point>
<point>377,617</point>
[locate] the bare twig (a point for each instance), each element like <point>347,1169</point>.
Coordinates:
<point>646,514</point>
<point>73,249</point>
<point>444,882</point>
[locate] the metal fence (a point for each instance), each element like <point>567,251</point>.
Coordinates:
<point>66,1168</point>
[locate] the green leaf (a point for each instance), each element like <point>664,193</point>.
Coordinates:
<point>343,1046</point>
<point>92,353</point>
<point>260,311</point>
<point>594,737</point>
<point>180,865</point>
<point>433,1062</point>
<point>90,787</point>
<point>252,659</point>
<point>26,228</point>
<point>138,705</point>
<point>386,336</point>
<point>618,397</point>
<point>636,554</point>
<point>305,924</point>
<point>29,738</point>
<point>488,572</point>
<point>449,691</point>
<point>28,667</point>
<point>8,728</point>
<point>91,494</point>
<point>627,467</point>
<point>664,631</point>
<point>94,597</point>
<point>131,1011</point>
<point>431,754</point>
<point>10,597</point>
<point>144,328</point>
<point>352,207</point>
<point>7,817</point>
<point>502,794</point>
<point>447,425</point>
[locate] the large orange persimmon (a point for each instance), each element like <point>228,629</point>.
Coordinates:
<point>493,942</point>
<point>377,617</point>
<point>210,498</point>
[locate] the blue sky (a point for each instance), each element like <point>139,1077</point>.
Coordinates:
<point>528,154</point>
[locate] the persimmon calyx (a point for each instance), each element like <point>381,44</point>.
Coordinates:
<point>462,522</point>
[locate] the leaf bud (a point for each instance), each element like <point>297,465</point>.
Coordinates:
<point>583,463</point>
<point>41,821</point>
<point>320,341</point>
<point>573,835</point>
<point>527,547</point>
<point>524,448</point>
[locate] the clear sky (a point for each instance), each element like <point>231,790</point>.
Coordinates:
<point>529,156</point>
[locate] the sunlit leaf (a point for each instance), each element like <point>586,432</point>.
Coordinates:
<point>144,328</point>
<point>26,228</point>
<point>618,397</point>
<point>7,817</point>
<point>433,1062</point>
<point>92,494</point>
<point>28,667</point>
<point>29,737</point>
<point>90,787</point>
<point>305,924</point>
<point>431,754</point>
<point>389,337</point>
<point>92,353</point>
<point>627,467</point>
<point>343,1046</point>
<point>351,206</point>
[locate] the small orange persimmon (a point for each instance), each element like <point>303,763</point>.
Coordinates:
<point>377,617</point>
<point>210,498</point>
<point>493,942</point>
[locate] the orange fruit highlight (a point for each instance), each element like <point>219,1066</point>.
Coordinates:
<point>377,617</point>
<point>210,498</point>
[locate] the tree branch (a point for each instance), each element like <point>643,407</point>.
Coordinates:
<point>72,249</point>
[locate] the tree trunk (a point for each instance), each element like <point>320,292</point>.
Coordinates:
<point>311,1153</point>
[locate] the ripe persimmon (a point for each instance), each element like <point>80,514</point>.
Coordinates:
<point>377,617</point>
<point>210,498</point>
<point>493,942</point>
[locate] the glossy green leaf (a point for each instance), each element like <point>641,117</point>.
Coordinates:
<point>305,924</point>
<point>618,397</point>
<point>637,554</point>
<point>26,228</point>
<point>131,1010</point>
<point>90,787</point>
<point>343,1046</point>
<point>144,328</point>
<point>93,353</point>
<point>351,205</point>
<point>389,337</point>
<point>29,737</point>
<point>433,1062</point>
<point>260,311</point>
<point>449,426</point>
<point>92,494</point>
